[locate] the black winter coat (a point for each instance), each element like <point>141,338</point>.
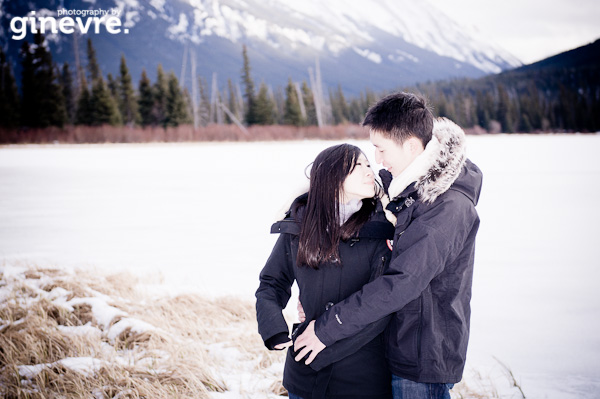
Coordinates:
<point>354,367</point>
<point>428,282</point>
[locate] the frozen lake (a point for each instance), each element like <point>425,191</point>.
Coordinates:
<point>196,217</point>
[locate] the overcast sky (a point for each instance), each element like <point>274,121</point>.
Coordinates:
<point>531,30</point>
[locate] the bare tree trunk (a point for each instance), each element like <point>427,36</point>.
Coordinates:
<point>300,100</point>
<point>194,89</point>
<point>234,119</point>
<point>183,64</point>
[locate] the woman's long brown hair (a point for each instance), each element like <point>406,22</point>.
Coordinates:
<point>320,231</point>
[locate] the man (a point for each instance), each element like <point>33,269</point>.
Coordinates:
<point>433,192</point>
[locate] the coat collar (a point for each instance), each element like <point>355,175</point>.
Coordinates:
<point>440,164</point>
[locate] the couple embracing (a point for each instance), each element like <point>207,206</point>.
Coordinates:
<point>384,277</point>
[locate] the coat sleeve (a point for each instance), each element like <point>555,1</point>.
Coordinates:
<point>426,246</point>
<point>274,291</point>
<point>350,345</point>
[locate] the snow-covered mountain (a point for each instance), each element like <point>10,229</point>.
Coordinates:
<point>335,26</point>
<point>379,44</point>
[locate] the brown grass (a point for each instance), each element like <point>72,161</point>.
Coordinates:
<point>183,133</point>
<point>175,359</point>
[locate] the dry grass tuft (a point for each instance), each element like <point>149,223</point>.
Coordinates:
<point>278,389</point>
<point>170,347</point>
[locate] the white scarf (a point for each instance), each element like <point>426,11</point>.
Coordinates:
<point>349,209</point>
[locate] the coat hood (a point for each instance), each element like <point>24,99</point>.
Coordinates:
<point>438,167</point>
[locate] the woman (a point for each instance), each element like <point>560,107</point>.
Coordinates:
<point>332,242</point>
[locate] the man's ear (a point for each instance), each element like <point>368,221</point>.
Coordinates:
<point>414,145</point>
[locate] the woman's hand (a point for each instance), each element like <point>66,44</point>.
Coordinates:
<point>284,345</point>
<point>301,314</point>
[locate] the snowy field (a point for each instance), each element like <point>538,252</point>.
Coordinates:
<point>196,217</point>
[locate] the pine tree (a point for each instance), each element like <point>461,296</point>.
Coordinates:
<point>463,105</point>
<point>278,99</point>
<point>93,67</point>
<point>504,113</point>
<point>530,112</point>
<point>445,107</point>
<point>339,106</point>
<point>161,88</point>
<point>99,106</point>
<point>127,101</point>
<point>176,107</point>
<point>103,106</point>
<point>251,117</point>
<point>291,112</point>
<point>370,100</point>
<point>9,95</point>
<point>189,106</point>
<point>145,100</point>
<point>113,86</point>
<point>566,109</point>
<point>484,108</point>
<point>83,115</point>
<point>43,101</point>
<point>68,93</point>
<point>356,109</point>
<point>264,107</point>
<point>309,103</point>
<point>28,89</point>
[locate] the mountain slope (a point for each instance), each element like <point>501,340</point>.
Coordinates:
<point>359,43</point>
<point>588,55</point>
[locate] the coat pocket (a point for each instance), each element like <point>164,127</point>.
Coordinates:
<point>404,336</point>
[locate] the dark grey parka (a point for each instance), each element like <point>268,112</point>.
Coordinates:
<point>351,368</point>
<point>428,283</point>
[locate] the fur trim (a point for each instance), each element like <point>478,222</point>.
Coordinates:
<point>419,167</point>
<point>438,166</point>
<point>299,190</point>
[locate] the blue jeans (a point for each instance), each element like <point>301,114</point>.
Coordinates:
<point>407,389</point>
<point>292,396</point>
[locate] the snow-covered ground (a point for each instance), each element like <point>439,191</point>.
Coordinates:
<point>198,215</point>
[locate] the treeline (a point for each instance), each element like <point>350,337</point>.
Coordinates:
<point>500,104</point>
<point>560,94</point>
<point>558,98</point>
<point>59,97</point>
<point>56,97</point>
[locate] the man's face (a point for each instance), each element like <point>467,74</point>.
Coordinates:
<point>395,157</point>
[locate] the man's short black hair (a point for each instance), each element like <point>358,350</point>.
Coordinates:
<point>401,116</point>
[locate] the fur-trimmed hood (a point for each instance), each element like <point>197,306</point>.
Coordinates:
<point>438,167</point>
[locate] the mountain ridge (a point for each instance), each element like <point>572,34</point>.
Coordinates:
<point>397,43</point>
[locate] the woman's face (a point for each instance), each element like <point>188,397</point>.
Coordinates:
<point>360,183</point>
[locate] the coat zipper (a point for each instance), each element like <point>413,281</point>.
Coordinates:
<point>381,266</point>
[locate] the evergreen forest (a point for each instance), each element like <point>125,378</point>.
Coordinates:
<point>559,94</point>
